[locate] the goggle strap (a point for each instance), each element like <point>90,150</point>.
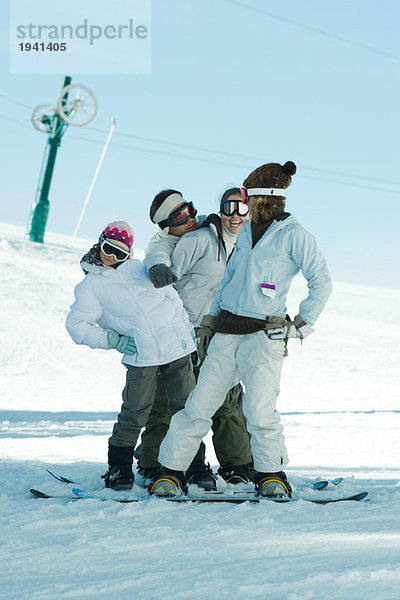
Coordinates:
<point>271,191</point>
<point>247,192</point>
<point>244,195</point>
<point>161,215</point>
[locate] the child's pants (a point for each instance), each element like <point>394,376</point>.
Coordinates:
<point>255,360</point>
<point>139,393</point>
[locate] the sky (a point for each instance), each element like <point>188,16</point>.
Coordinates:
<point>232,85</point>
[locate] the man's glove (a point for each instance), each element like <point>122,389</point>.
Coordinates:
<point>161,275</point>
<point>205,333</point>
<point>299,328</point>
<point>121,343</point>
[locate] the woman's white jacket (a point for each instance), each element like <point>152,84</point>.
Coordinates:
<point>257,280</point>
<point>125,300</point>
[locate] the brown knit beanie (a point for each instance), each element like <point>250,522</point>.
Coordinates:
<point>271,175</point>
<point>265,207</point>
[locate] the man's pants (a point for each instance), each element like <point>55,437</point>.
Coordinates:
<point>140,391</point>
<point>257,362</point>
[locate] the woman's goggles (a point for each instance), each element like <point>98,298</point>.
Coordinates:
<point>180,216</point>
<point>230,207</point>
<point>109,249</point>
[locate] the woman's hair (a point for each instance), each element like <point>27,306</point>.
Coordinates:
<point>226,195</point>
<point>95,249</point>
<point>159,199</point>
<point>266,208</point>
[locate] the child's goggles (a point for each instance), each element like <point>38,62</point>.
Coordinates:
<point>230,207</point>
<point>180,216</point>
<point>118,253</point>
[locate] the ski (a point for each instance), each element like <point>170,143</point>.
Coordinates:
<point>321,485</point>
<point>60,477</point>
<point>39,494</point>
<point>236,499</point>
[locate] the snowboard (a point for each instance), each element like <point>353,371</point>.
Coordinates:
<point>315,485</point>
<point>208,497</point>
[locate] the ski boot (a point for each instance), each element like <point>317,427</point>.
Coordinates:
<point>235,475</point>
<point>272,485</point>
<point>200,473</point>
<point>252,471</point>
<point>203,477</point>
<point>168,483</point>
<point>119,475</point>
<point>148,473</point>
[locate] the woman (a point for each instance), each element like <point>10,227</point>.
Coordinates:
<point>248,320</point>
<point>117,307</point>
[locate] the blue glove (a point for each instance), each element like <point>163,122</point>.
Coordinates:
<point>121,343</point>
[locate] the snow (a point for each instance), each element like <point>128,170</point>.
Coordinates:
<point>58,401</point>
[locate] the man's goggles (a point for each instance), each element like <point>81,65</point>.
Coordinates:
<point>109,249</point>
<point>180,216</point>
<point>230,207</point>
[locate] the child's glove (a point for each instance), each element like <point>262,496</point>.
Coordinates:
<point>206,331</point>
<point>121,343</point>
<point>161,275</point>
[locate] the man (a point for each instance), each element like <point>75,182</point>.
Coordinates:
<point>194,259</point>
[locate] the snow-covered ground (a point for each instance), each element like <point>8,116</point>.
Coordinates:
<point>339,402</point>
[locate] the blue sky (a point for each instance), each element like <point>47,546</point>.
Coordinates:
<point>232,85</point>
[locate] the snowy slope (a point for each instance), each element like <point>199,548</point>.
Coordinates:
<point>339,402</point>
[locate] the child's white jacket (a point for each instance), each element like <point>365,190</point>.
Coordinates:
<point>125,300</point>
<point>257,280</point>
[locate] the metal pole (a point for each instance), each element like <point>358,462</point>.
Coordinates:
<point>99,165</point>
<point>40,210</point>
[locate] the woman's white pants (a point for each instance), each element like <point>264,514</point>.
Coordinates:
<point>253,359</point>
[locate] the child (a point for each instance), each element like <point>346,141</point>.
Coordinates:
<point>117,307</point>
<point>248,320</point>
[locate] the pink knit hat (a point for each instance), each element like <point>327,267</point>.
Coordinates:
<point>118,232</point>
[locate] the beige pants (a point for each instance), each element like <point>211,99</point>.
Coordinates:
<point>257,362</point>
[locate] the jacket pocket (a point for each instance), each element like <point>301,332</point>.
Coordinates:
<point>274,348</point>
<point>268,289</point>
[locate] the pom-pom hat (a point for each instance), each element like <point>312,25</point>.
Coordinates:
<point>119,233</point>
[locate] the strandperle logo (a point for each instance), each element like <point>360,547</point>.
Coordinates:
<point>85,31</point>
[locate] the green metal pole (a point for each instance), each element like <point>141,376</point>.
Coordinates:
<point>40,209</point>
